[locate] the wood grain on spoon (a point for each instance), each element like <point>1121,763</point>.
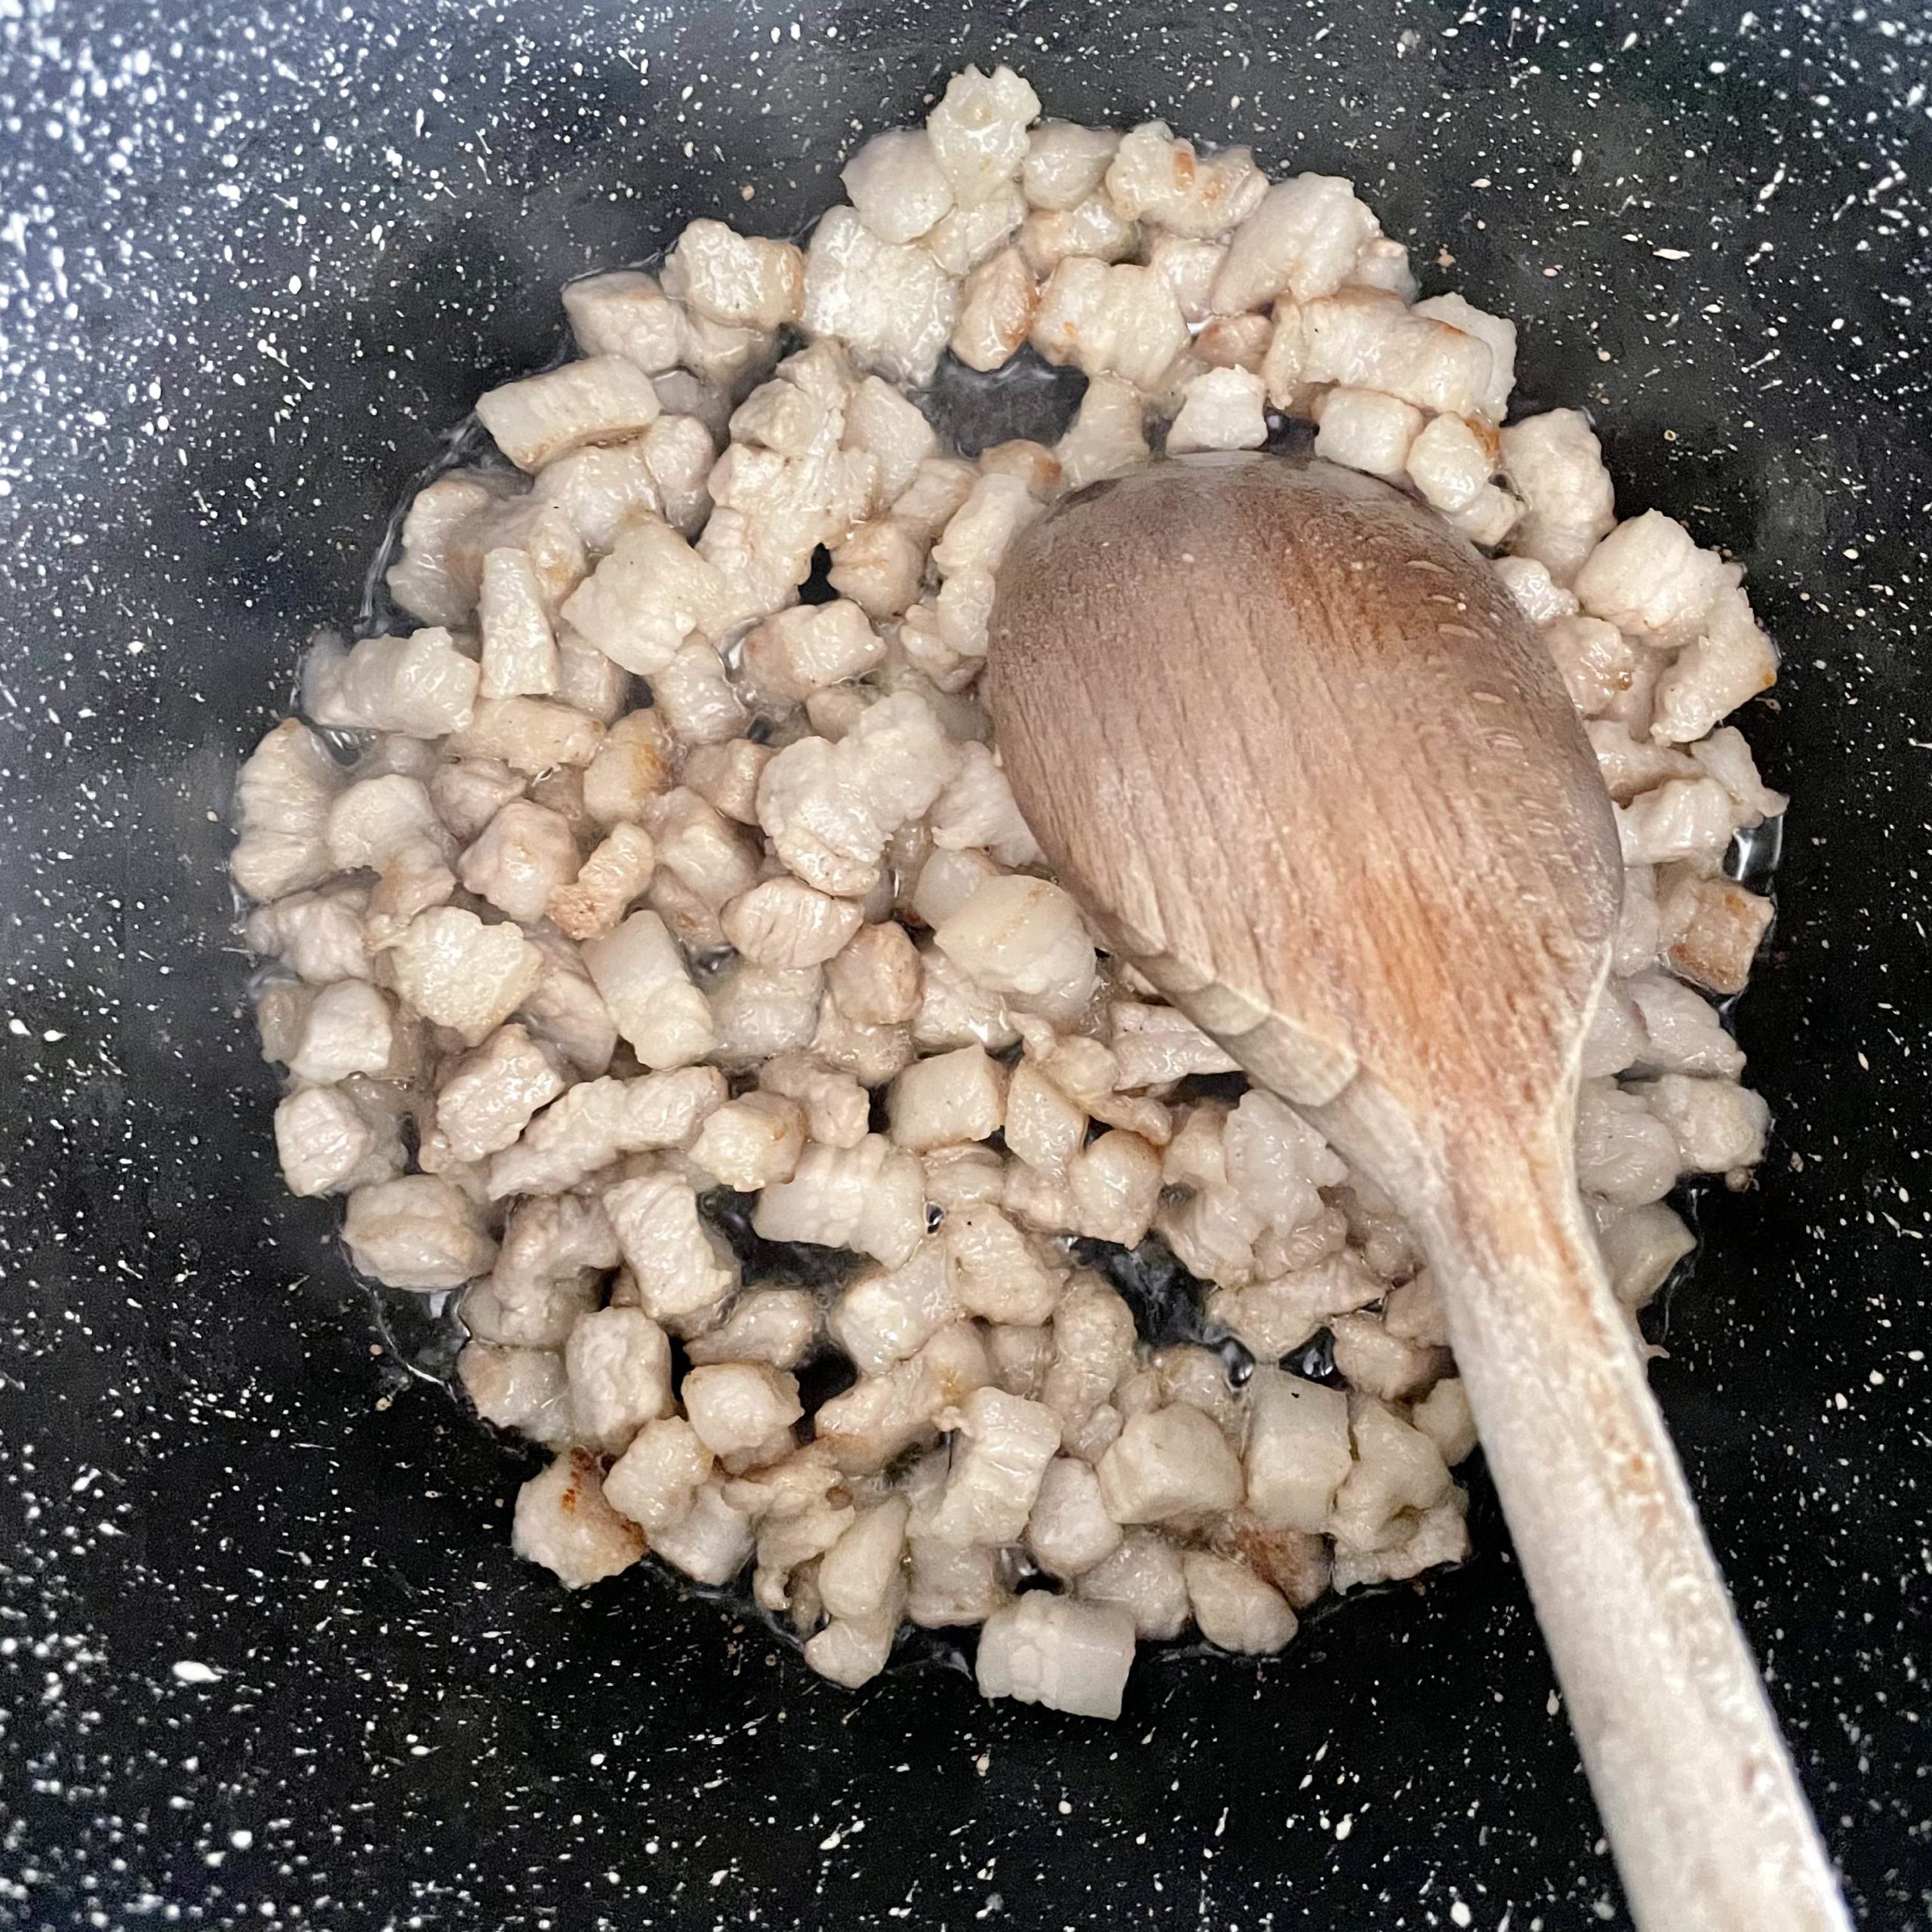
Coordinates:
<point>1292,744</point>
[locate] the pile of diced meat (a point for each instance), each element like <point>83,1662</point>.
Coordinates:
<point>649,880</point>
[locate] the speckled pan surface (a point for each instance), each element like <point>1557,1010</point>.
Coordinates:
<point>265,1657</point>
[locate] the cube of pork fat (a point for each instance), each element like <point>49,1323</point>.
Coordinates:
<point>1066,162</point>
<point>1093,229</point>
<point>1301,238</point>
<point>1298,1453</point>
<point>978,130</point>
<point>1369,1357</point>
<point>1647,576</point>
<point>751,1142</point>
<point>860,1575</point>
<point>683,1270</point>
<point>602,399</point>
<point>636,763</point>
<point>647,598</point>
<point>799,651</point>
<point>1154,178</point>
<point>1640,1246</point>
<point>1681,1030</point>
<point>468,793</point>
<point>1450,463</point>
<point>1554,464</point>
<point>597,1121</point>
<point>421,685</point>
<point>1023,937</point>
<point>1121,320</point>
<point>997,307</point>
<point>1069,1530</point>
<point>1108,435</point>
<point>655,1480</point>
<point>995,1271</point>
<point>1000,1452</point>
<point>606,883</point>
<point>1538,595</point>
<point>1277,1161</point>
<point>1233,1608</point>
<point>429,579</point>
<point>1221,409</point>
<point>726,776</point>
<point>1144,1578</point>
<point>519,650</point>
<point>711,1541</point>
<point>418,1232</point>
<point>897,185</point>
<point>1682,818</point>
<point>774,1326</point>
<point>1043,1128</point>
<point>530,734</point>
<point>524,854</point>
<point>758,1011</point>
<point>522,1389</point>
<point>785,923</point>
<point>1094,1341</point>
<point>888,1315</point>
<point>1114,1185</point>
<point>1397,1467</point>
<point>894,429</point>
<point>1443,1415</point>
<point>350,1028</point>
<point>956,1097</point>
<point>458,972</point>
<point>1711,929</point>
<point>618,1362</point>
<point>1068,1654</point>
<point>1364,429</point>
<point>1497,333</point>
<point>870,1197</point>
<point>1361,338</point>
<point>743,281</point>
<point>486,1100</point>
<point>893,304</point>
<point>563,1522</point>
<point>318,936</point>
<point>737,1406</point>
<point>1624,1152</point>
<point>969,237</point>
<point>976,809</point>
<point>1168,1464</point>
<point>642,976</point>
<point>1718,1126</point>
<point>326,1144</point>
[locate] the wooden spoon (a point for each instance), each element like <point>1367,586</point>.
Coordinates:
<point>1291,743</point>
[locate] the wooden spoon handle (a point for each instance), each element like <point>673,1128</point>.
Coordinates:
<point>1710,1830</point>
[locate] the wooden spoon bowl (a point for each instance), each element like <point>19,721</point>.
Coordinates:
<point>1291,743</point>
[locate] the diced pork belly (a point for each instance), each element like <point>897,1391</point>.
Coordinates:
<point>682,1269</point>
<point>746,281</point>
<point>1144,1578</point>
<point>419,1232</point>
<point>602,399</point>
<point>978,130</point>
<point>891,302</point>
<point>564,1521</point>
<point>1068,1655</point>
<point>1152,177</point>
<point>455,971</point>
<point>529,734</point>
<point>870,1197</point>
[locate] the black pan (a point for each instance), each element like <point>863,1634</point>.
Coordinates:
<point>265,1656</point>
